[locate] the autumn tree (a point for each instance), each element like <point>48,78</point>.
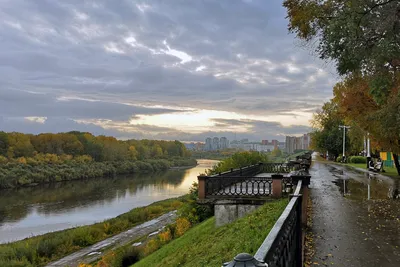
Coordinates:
<point>363,38</point>
<point>276,152</point>
<point>19,145</point>
<point>61,147</point>
<point>3,143</point>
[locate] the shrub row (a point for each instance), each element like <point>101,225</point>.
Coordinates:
<point>353,159</point>
<point>357,159</point>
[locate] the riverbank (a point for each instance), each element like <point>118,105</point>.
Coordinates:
<point>95,252</point>
<point>14,175</point>
<point>40,250</point>
<point>208,245</point>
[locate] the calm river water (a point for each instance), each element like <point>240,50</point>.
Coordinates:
<point>37,210</point>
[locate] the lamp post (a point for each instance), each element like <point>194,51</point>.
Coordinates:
<point>368,151</point>
<point>344,127</point>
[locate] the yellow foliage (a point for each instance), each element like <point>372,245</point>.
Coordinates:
<point>176,204</point>
<point>106,227</point>
<point>21,160</point>
<point>151,246</point>
<point>165,236</point>
<point>107,260</point>
<point>84,265</point>
<point>182,225</point>
<point>3,159</point>
<point>65,157</point>
<point>83,158</point>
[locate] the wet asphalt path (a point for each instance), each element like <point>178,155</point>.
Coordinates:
<point>95,252</point>
<point>349,229</point>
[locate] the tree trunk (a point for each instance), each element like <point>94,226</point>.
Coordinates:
<point>396,163</point>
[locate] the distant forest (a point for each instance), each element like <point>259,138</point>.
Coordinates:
<point>74,144</point>
<point>27,159</point>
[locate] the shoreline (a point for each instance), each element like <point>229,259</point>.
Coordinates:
<point>82,237</point>
<point>54,180</point>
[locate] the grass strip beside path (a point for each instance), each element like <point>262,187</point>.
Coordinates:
<point>207,245</point>
<point>389,171</point>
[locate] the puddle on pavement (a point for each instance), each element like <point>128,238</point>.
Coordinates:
<point>364,186</point>
<point>371,188</point>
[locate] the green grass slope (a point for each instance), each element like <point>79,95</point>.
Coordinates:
<point>207,245</point>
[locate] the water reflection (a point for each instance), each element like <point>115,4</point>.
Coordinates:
<point>366,186</point>
<point>37,210</point>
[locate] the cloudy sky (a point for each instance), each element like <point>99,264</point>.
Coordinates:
<point>160,69</point>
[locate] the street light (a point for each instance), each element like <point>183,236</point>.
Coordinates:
<point>368,151</point>
<point>344,127</point>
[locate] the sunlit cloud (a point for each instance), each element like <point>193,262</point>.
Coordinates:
<point>37,119</point>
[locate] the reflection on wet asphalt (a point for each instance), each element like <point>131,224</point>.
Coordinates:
<point>356,217</point>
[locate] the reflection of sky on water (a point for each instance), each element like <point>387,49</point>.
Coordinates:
<point>103,202</point>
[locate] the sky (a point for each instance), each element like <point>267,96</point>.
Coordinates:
<point>157,69</point>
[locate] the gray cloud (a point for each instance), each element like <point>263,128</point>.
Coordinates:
<point>24,104</point>
<point>224,55</point>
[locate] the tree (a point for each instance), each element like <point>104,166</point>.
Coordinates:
<point>276,152</point>
<point>133,152</point>
<point>326,135</point>
<point>382,121</point>
<point>156,151</point>
<point>3,143</point>
<point>19,145</point>
<point>363,38</point>
<point>360,35</point>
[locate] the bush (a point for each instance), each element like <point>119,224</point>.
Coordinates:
<point>358,159</point>
<point>182,225</point>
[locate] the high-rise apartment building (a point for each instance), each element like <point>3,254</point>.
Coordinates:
<point>290,144</point>
<point>215,143</point>
<point>297,143</point>
<point>208,145</point>
<point>223,143</point>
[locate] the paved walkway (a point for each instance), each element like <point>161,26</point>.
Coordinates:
<point>355,223</point>
<point>94,252</point>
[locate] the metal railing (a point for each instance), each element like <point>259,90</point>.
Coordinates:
<point>283,245</point>
<point>280,167</point>
<point>250,170</point>
<point>259,168</point>
<point>238,186</point>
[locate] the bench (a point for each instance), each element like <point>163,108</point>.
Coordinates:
<point>378,167</point>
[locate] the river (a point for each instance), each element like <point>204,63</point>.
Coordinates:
<point>37,210</point>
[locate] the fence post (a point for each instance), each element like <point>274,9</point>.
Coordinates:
<point>202,187</point>
<point>277,185</point>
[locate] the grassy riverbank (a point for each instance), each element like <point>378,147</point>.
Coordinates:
<point>14,174</point>
<point>207,245</point>
<point>39,250</point>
